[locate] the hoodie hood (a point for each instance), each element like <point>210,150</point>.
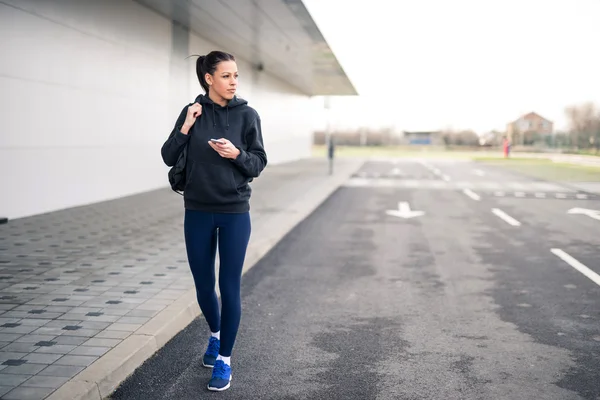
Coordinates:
<point>206,102</point>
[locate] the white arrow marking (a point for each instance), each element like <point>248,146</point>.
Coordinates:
<point>595,214</point>
<point>404,211</point>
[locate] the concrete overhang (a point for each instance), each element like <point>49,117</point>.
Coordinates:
<point>277,36</point>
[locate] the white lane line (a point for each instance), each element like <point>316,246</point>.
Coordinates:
<point>472,194</point>
<point>577,265</point>
<point>478,172</point>
<point>446,178</point>
<point>519,194</point>
<point>581,196</point>
<point>540,195</point>
<point>561,196</point>
<point>504,216</point>
<point>499,194</point>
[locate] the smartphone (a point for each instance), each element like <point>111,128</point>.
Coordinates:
<point>217,141</point>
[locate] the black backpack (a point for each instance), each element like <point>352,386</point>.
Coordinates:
<point>177,177</point>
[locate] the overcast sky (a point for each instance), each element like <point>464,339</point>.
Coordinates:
<point>476,64</point>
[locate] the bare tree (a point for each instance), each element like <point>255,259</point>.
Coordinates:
<point>584,121</point>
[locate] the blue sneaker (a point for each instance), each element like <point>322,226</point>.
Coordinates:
<point>221,377</point>
<point>212,351</point>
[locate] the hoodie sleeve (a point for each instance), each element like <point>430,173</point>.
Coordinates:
<point>253,160</point>
<point>174,144</point>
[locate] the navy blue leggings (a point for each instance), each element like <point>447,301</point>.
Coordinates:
<point>203,230</point>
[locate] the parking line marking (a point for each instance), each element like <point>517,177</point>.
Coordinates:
<point>507,218</point>
<point>577,265</point>
<point>472,194</point>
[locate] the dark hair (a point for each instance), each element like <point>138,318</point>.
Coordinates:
<point>208,64</point>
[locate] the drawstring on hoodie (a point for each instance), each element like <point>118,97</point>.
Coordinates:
<point>215,118</point>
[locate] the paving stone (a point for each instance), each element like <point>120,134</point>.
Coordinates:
<point>71,340</point>
<point>56,349</point>
<point>27,393</point>
<point>116,311</point>
<point>141,313</point>
<point>45,381</point>
<point>11,355</point>
<point>20,347</point>
<point>133,320</point>
<point>66,371</point>
<point>24,369</point>
<point>75,317</point>
<point>41,358</point>
<point>22,329</point>
<point>16,314</point>
<point>12,380</point>
<point>110,334</point>
<point>89,351</point>
<point>59,309</point>
<point>45,330</point>
<point>4,320</point>
<point>39,313</point>
<point>102,318</point>
<point>83,332</point>
<point>82,361</point>
<point>100,342</point>
<point>86,310</point>
<point>60,323</point>
<point>150,307</point>
<point>124,327</point>
<point>34,322</point>
<point>134,301</point>
<point>35,338</point>
<point>5,389</point>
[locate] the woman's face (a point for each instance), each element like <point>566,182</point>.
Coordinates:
<point>223,82</point>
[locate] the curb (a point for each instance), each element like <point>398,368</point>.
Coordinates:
<point>101,378</point>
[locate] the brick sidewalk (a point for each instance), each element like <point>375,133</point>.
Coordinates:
<point>87,294</point>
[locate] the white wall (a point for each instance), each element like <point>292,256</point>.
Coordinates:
<point>90,90</point>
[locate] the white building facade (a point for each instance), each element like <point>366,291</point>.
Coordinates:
<point>89,90</point>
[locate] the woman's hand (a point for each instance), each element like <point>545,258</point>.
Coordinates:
<point>193,112</point>
<point>225,150</point>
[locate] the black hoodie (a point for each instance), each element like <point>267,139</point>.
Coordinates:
<point>214,183</point>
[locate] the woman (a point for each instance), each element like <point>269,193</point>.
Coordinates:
<point>225,152</point>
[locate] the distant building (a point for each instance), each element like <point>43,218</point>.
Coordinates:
<point>423,137</point>
<point>529,124</point>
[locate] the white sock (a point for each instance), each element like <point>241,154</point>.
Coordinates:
<point>216,334</point>
<point>226,360</point>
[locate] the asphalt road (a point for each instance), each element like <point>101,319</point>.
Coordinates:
<point>458,303</point>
